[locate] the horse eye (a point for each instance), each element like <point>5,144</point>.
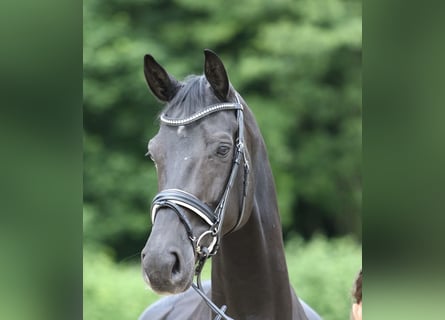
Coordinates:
<point>223,150</point>
<point>148,154</point>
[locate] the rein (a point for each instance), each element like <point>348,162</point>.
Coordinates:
<point>176,200</point>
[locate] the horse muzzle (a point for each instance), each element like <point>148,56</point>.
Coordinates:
<point>168,259</point>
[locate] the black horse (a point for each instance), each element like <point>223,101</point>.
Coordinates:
<point>217,199</point>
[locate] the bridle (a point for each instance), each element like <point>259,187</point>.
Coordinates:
<point>177,200</point>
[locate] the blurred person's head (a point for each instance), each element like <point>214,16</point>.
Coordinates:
<point>356,313</point>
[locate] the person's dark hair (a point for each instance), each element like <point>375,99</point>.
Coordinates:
<point>357,288</point>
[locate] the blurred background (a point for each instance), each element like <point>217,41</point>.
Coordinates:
<point>298,66</point>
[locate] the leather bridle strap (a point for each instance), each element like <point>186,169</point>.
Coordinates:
<point>175,199</point>
<point>239,156</point>
<point>183,199</point>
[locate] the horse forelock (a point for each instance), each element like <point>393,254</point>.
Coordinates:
<point>194,95</point>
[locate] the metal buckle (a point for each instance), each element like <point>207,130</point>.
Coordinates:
<point>200,249</point>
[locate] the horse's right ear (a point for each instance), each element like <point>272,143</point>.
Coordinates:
<point>216,74</point>
<point>163,85</point>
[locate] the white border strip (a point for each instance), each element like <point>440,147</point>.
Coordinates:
<point>182,204</point>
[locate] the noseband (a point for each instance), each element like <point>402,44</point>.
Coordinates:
<point>177,200</point>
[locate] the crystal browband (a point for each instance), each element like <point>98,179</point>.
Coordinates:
<point>201,114</point>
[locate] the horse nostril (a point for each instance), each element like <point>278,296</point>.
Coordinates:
<point>176,265</point>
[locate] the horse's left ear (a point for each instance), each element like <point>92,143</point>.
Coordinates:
<point>216,74</point>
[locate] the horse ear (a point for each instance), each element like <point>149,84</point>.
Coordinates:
<point>216,74</point>
<point>163,85</point>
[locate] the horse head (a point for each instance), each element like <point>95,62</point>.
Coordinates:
<point>197,151</point>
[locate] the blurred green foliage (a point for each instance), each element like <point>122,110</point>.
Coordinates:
<point>322,272</point>
<point>297,64</point>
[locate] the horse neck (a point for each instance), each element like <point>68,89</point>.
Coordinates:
<point>249,273</point>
